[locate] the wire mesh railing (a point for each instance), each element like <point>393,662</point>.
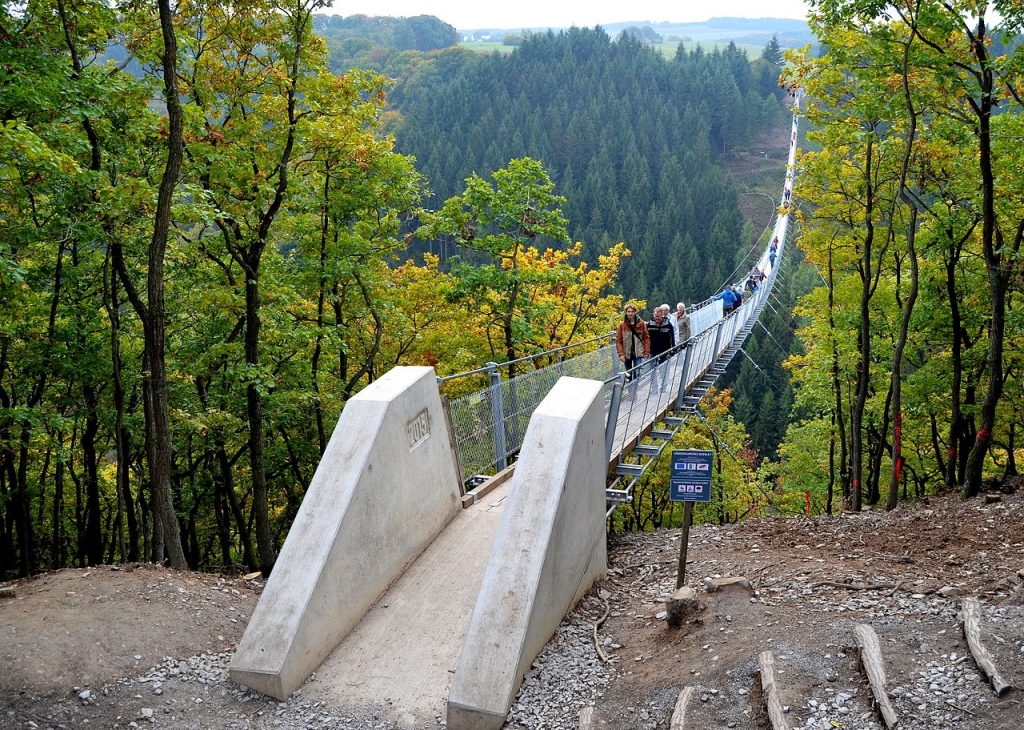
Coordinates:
<point>490,424</point>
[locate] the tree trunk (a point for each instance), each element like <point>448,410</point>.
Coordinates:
<point>93,541</point>
<point>321,308</point>
<point>997,264</point>
<point>863,340</point>
<point>254,413</point>
<point>228,480</point>
<point>23,510</point>
<point>897,365</point>
<point>876,450</point>
<point>956,368</point>
<point>222,513</point>
<point>1011,459</point>
<point>831,466</point>
<point>837,388</point>
<point>160,447</point>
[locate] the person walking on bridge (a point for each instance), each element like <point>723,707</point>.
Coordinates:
<point>663,339</point>
<point>666,313</point>
<point>729,298</point>
<point>682,324</point>
<point>632,340</point>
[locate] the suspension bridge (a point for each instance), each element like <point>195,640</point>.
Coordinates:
<point>412,580</point>
<point>489,424</point>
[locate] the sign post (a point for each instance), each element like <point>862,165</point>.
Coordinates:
<point>690,482</point>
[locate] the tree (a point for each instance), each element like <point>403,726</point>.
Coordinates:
<point>922,203</point>
<point>153,314</point>
<point>502,221</point>
<point>772,52</point>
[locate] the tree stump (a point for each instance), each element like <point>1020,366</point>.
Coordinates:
<point>683,606</point>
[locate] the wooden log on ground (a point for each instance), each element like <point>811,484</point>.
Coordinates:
<point>679,713</point>
<point>9,592</point>
<point>874,668</point>
<point>586,719</point>
<point>971,608</point>
<point>766,662</point>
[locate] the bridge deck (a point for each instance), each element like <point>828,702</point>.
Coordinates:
<point>404,651</point>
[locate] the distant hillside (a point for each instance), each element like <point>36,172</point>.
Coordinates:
<point>360,32</point>
<point>751,31</point>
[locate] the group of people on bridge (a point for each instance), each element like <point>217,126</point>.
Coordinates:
<point>637,340</point>
<point>732,296</point>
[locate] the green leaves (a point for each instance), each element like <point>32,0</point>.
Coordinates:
<point>903,102</point>
<point>499,219</point>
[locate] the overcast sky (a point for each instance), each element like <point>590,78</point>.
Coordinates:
<point>511,14</point>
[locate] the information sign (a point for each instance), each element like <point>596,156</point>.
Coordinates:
<point>690,480</point>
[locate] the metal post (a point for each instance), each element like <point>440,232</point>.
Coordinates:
<point>613,415</point>
<point>615,356</point>
<point>687,356</point>
<point>718,341</point>
<point>684,543</point>
<point>498,416</point>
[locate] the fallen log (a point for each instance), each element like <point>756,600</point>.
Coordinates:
<point>597,642</point>
<point>586,719</point>
<point>971,608</point>
<point>854,586</point>
<point>777,719</point>
<point>679,712</point>
<point>874,667</point>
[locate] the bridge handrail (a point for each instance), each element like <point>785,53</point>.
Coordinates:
<point>491,365</point>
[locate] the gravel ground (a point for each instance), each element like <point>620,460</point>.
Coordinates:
<point>613,661</point>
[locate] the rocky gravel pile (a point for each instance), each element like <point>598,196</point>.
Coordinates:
<point>566,677</point>
<point>947,692</point>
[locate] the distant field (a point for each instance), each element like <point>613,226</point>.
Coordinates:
<point>486,46</point>
<point>667,49</point>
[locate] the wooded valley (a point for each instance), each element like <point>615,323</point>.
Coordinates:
<point>213,237</point>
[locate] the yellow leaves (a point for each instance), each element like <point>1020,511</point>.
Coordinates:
<point>894,82</point>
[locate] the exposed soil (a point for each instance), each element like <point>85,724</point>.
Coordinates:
<point>904,573</point>
<point>104,647</point>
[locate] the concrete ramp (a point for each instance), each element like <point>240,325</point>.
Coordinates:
<point>386,487</point>
<point>549,549</point>
<point>401,658</point>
